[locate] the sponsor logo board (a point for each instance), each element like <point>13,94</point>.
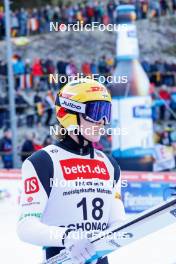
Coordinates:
<point>84,169</point>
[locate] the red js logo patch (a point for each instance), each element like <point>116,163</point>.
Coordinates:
<point>31,185</point>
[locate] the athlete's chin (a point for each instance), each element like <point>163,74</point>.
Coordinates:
<point>93,139</point>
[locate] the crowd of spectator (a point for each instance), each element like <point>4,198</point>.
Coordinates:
<point>165,134</point>
<point>35,98</point>
<point>32,109</point>
<point>35,74</point>
<point>36,20</point>
<point>31,143</point>
<point>164,103</point>
<point>35,93</point>
<point>160,73</point>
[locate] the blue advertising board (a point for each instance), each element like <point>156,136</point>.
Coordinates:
<point>144,190</point>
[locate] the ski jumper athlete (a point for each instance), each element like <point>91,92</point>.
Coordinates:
<point>71,191</point>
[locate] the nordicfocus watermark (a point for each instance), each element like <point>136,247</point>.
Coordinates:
<point>86,230</point>
<point>80,26</point>
<point>89,131</point>
<point>63,79</point>
<point>83,185</point>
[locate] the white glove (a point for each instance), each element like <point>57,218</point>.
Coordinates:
<point>80,248</point>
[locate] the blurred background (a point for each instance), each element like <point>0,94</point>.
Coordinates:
<point>29,53</point>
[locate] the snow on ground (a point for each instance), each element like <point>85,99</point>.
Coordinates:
<point>158,248</point>
<point>12,250</point>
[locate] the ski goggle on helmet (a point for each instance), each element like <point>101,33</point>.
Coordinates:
<point>93,111</point>
<point>96,111</point>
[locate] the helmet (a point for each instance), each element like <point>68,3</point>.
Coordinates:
<point>85,96</point>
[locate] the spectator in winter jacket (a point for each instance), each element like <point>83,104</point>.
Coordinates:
<point>146,66</point>
<point>37,69</point>
<point>86,70</point>
<point>37,72</point>
<point>69,12</point>
<point>3,109</point>
<point>173,104</point>
<point>165,97</point>
<point>93,67</point>
<point>144,8</point>
<point>61,67</point>
<point>3,68</point>
<point>23,22</point>
<point>39,107</point>
<point>28,66</point>
<point>14,24</point>
<point>6,149</point>
<point>18,69</point>
<point>111,6</point>
<point>164,7</point>
<point>49,106</point>
<point>18,65</point>
<point>2,23</point>
<point>99,12</point>
<point>90,13</point>
<point>50,67</point>
<point>21,103</point>
<point>102,66</point>
<point>71,69</point>
<point>155,8</point>
<point>28,147</point>
<point>37,142</point>
<point>30,110</point>
<point>47,141</point>
<point>174,6</point>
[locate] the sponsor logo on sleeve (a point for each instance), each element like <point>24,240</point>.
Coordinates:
<point>54,151</point>
<point>31,185</point>
<point>38,215</point>
<point>29,199</point>
<point>84,169</point>
<point>28,204</point>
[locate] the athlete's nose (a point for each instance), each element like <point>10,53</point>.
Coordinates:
<point>101,122</point>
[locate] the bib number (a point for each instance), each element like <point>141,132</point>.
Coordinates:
<point>97,211</point>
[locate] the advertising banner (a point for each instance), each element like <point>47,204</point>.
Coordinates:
<point>147,189</point>
<point>133,116</point>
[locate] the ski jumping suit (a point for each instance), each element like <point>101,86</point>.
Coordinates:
<point>64,188</point>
